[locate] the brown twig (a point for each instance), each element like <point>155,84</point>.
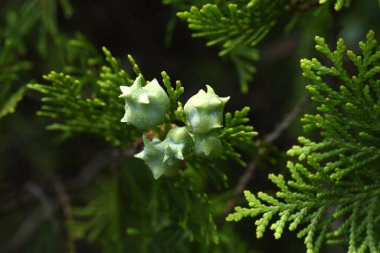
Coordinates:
<point>28,228</point>
<point>30,225</point>
<point>252,165</point>
<point>284,124</point>
<point>64,201</point>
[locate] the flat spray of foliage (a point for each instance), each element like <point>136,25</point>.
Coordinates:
<point>333,192</point>
<point>239,26</point>
<point>172,209</point>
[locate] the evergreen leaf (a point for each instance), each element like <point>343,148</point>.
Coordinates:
<point>237,134</point>
<point>10,105</point>
<point>336,176</point>
<point>86,103</point>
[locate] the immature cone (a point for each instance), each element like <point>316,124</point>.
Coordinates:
<point>204,111</point>
<point>153,156</point>
<point>162,157</point>
<point>177,143</point>
<point>145,107</point>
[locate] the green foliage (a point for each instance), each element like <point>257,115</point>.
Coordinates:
<point>330,193</point>
<point>10,71</point>
<point>174,95</point>
<point>236,27</point>
<point>10,105</point>
<point>239,26</point>
<point>339,4</point>
<point>86,103</point>
<point>132,211</point>
<point>32,17</point>
<point>233,25</point>
<point>237,134</point>
<point>333,192</point>
<point>244,58</point>
<point>185,4</point>
<point>102,220</point>
<point>174,208</point>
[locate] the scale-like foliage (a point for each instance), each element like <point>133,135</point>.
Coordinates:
<point>333,194</point>
<point>86,103</point>
<point>237,134</point>
<point>232,24</point>
<point>237,27</point>
<point>84,98</point>
<point>172,209</point>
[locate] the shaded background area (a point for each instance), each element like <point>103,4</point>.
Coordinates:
<point>32,158</point>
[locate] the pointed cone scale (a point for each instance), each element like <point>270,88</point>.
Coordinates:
<point>143,99</point>
<point>225,99</point>
<point>137,83</point>
<point>140,155</point>
<point>210,89</point>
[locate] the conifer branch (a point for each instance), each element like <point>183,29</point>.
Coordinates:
<point>339,172</point>
<point>252,165</point>
<point>239,26</point>
<point>30,225</point>
<point>88,102</point>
